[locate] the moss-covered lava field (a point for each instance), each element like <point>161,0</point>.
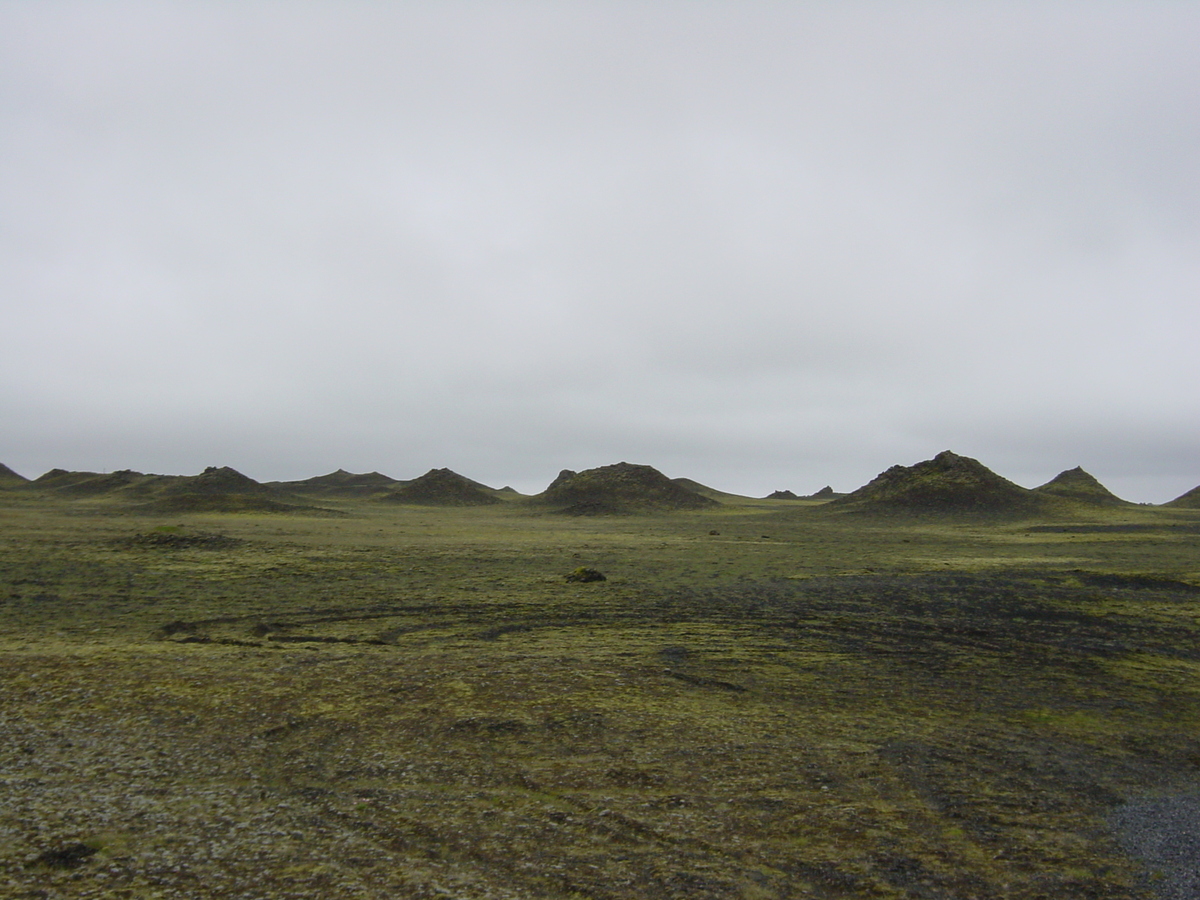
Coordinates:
<point>762,700</point>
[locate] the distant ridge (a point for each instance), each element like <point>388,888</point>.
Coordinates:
<point>60,478</point>
<point>442,487</point>
<point>782,495</point>
<point>1190,500</point>
<point>123,482</point>
<point>9,478</point>
<point>621,488</point>
<point>948,483</point>
<point>1076,484</point>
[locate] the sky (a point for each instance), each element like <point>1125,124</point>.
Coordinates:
<point>763,245</point>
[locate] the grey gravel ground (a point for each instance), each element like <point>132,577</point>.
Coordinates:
<point>1164,833</point>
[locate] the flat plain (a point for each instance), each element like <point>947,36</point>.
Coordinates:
<point>765,699</point>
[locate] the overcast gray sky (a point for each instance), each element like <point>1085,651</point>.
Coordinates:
<point>762,245</point>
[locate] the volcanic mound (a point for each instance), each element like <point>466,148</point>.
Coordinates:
<point>948,483</point>
<point>442,487</point>
<point>620,488</point>
<point>221,490</point>
<point>782,495</point>
<point>342,484</point>
<point>1076,484</point>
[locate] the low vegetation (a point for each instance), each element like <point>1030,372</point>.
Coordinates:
<point>763,699</point>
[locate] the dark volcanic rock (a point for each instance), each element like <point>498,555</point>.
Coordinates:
<point>585,575</point>
<point>948,483</point>
<point>69,856</point>
<point>442,487</point>
<point>782,495</point>
<point>621,488</point>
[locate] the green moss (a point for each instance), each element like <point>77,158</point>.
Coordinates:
<point>866,708</point>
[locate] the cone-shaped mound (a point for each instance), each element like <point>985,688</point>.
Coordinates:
<point>1190,500</point>
<point>442,487</point>
<point>621,488</point>
<point>782,495</point>
<point>1076,484</point>
<point>222,480</point>
<point>342,484</point>
<point>948,483</point>
<point>9,478</point>
<point>221,490</point>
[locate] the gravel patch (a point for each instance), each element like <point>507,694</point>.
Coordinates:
<point>1164,833</point>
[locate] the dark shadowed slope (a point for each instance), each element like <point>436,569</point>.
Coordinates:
<point>705,491</point>
<point>9,478</point>
<point>946,484</point>
<point>620,488</point>
<point>442,487</point>
<point>1079,486</point>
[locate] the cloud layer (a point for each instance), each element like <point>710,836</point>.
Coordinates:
<point>764,246</point>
